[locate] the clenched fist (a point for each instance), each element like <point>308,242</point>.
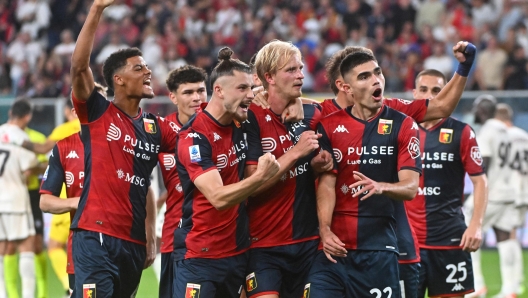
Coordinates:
<point>307,143</point>
<point>268,166</point>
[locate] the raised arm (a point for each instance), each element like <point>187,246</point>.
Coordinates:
<point>223,196</point>
<point>82,77</point>
<point>446,101</point>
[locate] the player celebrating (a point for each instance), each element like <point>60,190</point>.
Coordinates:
<point>187,91</point>
<point>121,144</point>
<point>449,150</point>
<point>376,160</point>
<point>213,236</point>
<point>282,213</point>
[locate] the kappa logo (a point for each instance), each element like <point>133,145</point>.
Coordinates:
<point>169,161</point>
<point>216,137</point>
<point>414,147</point>
<point>446,135</point>
<point>338,154</point>
<point>45,176</point>
<point>457,287</point>
<point>192,291</point>
<point>341,128</point>
<point>404,101</point>
<point>306,292</point>
<point>193,135</point>
<point>72,154</point>
<point>69,178</point>
<point>221,161</point>
<point>268,144</point>
<point>179,188</point>
<point>384,126</point>
<point>251,282</point>
<point>471,134</point>
<point>89,291</point>
<point>268,118</point>
<point>114,133</point>
<point>150,125</point>
<point>414,126</point>
<point>475,155</point>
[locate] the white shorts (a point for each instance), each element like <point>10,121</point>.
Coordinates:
<point>503,216</point>
<point>160,219</point>
<point>16,226</point>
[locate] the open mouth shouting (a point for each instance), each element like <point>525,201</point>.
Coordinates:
<point>377,94</point>
<point>244,107</point>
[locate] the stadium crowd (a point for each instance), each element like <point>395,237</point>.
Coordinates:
<point>37,37</point>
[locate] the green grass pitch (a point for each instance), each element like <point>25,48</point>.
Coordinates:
<point>148,287</point>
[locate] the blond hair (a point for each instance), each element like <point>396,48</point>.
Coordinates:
<point>269,57</point>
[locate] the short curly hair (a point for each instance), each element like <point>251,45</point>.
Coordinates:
<point>185,74</point>
<point>116,61</point>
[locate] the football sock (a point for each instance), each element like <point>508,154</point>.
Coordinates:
<point>41,267</point>
<point>477,270</point>
<point>11,275</point>
<point>507,266</point>
<point>157,266</point>
<point>59,260</point>
<point>26,268</point>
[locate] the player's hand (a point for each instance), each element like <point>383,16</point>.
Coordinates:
<point>261,97</point>
<point>332,246</point>
<point>268,166</point>
<point>472,238</point>
<point>103,3</point>
<point>464,52</point>
<point>322,162</point>
<point>307,143</point>
<point>294,111</point>
<point>151,254</point>
<point>368,185</point>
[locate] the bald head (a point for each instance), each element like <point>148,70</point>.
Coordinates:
<point>504,112</point>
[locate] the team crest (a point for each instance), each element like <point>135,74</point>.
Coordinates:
<point>88,290</point>
<point>237,124</point>
<point>384,126</point>
<point>446,135</point>
<point>306,292</point>
<point>251,282</point>
<point>150,125</point>
<point>192,291</point>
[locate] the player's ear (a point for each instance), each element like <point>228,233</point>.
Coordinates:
<point>346,88</point>
<point>217,89</point>
<point>269,78</point>
<point>173,98</point>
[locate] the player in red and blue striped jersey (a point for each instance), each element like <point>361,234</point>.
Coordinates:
<point>121,144</point>
<point>211,242</point>
<point>449,150</point>
<point>376,161</point>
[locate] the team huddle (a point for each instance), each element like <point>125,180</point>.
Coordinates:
<point>357,196</point>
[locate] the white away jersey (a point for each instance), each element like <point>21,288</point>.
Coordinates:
<point>495,143</point>
<point>518,163</point>
<point>14,160</point>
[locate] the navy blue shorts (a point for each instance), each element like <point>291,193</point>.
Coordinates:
<point>409,278</point>
<point>106,266</point>
<point>71,281</point>
<point>280,270</point>
<point>166,275</point>
<point>221,278</point>
<point>445,272</point>
<point>361,274</point>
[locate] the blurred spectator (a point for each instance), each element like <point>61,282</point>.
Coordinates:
<point>482,13</point>
<point>117,11</point>
<point>430,12</point>
<point>400,13</point>
<point>7,28</point>
<point>114,45</point>
<point>34,15</point>
<point>23,55</point>
<point>355,38</point>
<point>65,49</point>
<point>226,17</point>
<point>510,16</point>
<point>490,66</point>
<point>515,74</point>
<point>439,60</point>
